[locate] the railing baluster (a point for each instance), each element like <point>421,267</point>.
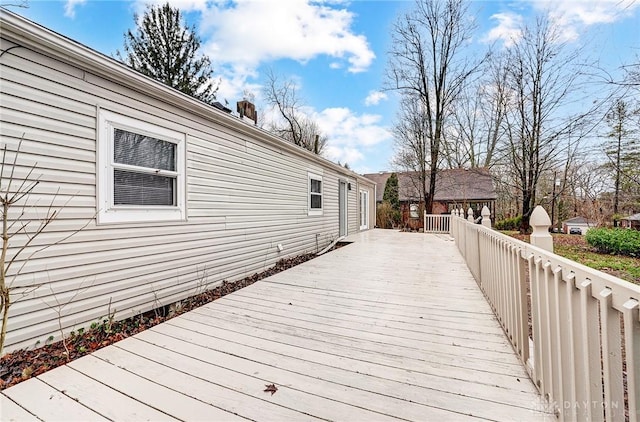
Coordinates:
<point>512,280</point>
<point>504,286</point>
<point>591,364</point>
<point>536,312</point>
<point>546,337</point>
<point>567,320</point>
<point>555,340</point>
<point>631,321</point>
<point>523,311</point>
<point>611,358</point>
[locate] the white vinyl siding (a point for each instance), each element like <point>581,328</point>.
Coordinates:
<point>244,193</point>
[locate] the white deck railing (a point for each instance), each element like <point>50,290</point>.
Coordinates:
<point>581,344</point>
<point>434,223</point>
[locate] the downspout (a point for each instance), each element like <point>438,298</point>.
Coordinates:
<point>331,245</point>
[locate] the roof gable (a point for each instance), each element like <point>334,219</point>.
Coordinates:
<point>578,220</point>
<point>634,217</point>
<point>451,185</point>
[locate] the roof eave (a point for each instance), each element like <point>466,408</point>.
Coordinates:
<point>48,42</point>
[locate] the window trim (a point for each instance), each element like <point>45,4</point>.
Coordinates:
<point>315,211</point>
<point>107,211</point>
<point>364,209</point>
<point>412,213</point>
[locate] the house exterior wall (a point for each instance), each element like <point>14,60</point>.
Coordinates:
<point>371,204</point>
<point>439,207</point>
<point>246,192</point>
<point>630,224</point>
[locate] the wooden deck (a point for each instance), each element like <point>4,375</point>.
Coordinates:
<point>391,327</point>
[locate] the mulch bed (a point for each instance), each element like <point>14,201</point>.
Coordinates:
<point>21,365</point>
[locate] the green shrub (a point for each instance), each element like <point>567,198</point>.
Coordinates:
<point>509,223</point>
<point>615,241</point>
<point>386,216</point>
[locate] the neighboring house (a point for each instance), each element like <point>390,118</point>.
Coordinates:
<point>455,188</point>
<point>579,223</point>
<point>176,195</point>
<point>631,222</point>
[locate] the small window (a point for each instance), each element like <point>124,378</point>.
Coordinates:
<point>315,194</point>
<point>144,170</point>
<point>364,210</point>
<point>141,171</point>
<point>414,211</point>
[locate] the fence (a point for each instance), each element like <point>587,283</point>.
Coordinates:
<point>576,329</point>
<point>436,223</point>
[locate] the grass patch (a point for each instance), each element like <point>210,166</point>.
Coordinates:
<point>624,267</point>
<point>576,248</point>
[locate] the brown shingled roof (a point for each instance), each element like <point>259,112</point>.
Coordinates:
<point>451,185</point>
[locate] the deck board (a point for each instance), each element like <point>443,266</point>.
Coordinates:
<point>102,399</point>
<point>12,412</point>
<point>356,367</point>
<point>391,327</point>
<point>49,404</point>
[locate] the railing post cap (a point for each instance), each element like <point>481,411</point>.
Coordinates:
<point>470,211</point>
<point>486,216</point>
<point>539,217</point>
<point>540,223</point>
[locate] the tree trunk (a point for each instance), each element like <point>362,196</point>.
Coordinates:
<point>428,203</point>
<point>527,199</point>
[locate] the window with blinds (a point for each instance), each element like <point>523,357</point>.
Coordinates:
<point>141,171</point>
<point>144,170</point>
<point>315,194</point>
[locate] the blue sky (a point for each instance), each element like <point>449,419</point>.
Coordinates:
<point>335,50</point>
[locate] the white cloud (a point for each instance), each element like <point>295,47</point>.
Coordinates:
<point>70,7</point>
<point>184,5</point>
<point>350,136</point>
<point>508,29</point>
<point>374,98</point>
<point>343,155</point>
<point>247,33</point>
<point>587,12</point>
<point>571,16</point>
<point>241,35</point>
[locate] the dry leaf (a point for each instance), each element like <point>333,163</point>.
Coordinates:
<point>271,388</point>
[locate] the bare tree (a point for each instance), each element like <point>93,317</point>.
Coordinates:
<point>16,222</point>
<point>592,182</point>
<point>476,131</point>
<point>412,147</point>
<point>543,73</point>
<point>296,126</point>
<point>20,3</point>
<point>621,148</point>
<point>427,64</point>
<point>632,74</point>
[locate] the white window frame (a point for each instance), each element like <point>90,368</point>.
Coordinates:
<point>315,211</point>
<point>414,210</point>
<point>364,209</point>
<point>107,211</point>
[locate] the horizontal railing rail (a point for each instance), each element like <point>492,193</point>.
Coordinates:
<point>576,329</point>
